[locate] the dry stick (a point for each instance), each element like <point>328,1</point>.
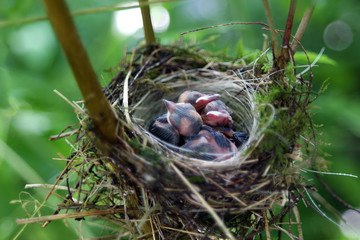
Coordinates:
<point>146,17</point>
<point>302,27</point>
<point>64,134</point>
<point>95,101</point>
<point>271,23</point>
<point>203,201</point>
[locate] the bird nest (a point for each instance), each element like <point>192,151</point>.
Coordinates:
<point>150,189</point>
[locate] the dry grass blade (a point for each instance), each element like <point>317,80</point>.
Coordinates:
<point>298,222</point>
<point>69,215</point>
<point>267,231</point>
<point>204,203</point>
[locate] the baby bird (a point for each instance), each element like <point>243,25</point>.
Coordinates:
<point>160,127</point>
<point>184,118</point>
<point>197,99</point>
<point>216,113</point>
<point>217,118</point>
<point>239,138</point>
<point>210,145</point>
<point>217,105</point>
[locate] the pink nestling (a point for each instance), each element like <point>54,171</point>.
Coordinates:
<point>217,105</point>
<point>184,118</point>
<point>161,128</point>
<point>217,114</point>
<point>210,145</point>
<point>217,119</point>
<point>197,99</point>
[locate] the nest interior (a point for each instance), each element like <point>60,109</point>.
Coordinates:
<point>156,190</point>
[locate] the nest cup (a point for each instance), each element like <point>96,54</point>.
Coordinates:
<point>235,93</point>
<point>164,191</point>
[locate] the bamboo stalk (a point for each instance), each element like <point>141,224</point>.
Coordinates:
<point>96,103</point>
<point>302,27</point>
<point>146,17</point>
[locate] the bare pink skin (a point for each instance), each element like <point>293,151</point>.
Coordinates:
<point>197,99</point>
<point>212,138</point>
<point>217,118</point>
<point>184,118</point>
<point>217,105</point>
<point>211,145</point>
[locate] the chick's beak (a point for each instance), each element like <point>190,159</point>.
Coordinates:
<point>169,105</point>
<point>201,102</point>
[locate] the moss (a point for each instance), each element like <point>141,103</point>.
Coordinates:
<point>146,152</point>
<point>288,120</point>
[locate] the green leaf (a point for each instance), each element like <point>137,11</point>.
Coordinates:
<point>301,57</point>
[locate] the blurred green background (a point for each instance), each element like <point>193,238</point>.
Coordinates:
<point>32,65</point>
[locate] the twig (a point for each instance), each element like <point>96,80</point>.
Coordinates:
<point>61,135</point>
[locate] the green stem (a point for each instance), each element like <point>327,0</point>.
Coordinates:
<point>96,103</point>
<point>270,19</point>
<point>302,27</point>
<point>146,17</point>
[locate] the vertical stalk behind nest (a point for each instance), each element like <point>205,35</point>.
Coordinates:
<point>270,19</point>
<point>302,27</point>
<point>98,107</point>
<point>285,48</point>
<point>146,17</point>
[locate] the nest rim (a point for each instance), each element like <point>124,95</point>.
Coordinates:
<point>229,161</point>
